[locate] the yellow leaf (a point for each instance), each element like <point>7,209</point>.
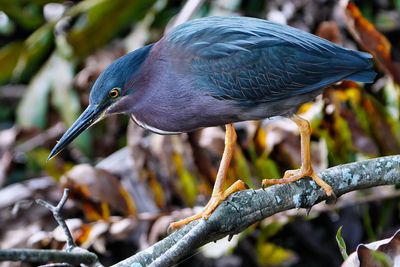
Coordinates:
<point>271,254</point>
<point>187,181</point>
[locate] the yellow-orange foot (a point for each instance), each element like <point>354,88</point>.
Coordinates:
<point>306,169</point>
<point>294,175</point>
<point>212,204</point>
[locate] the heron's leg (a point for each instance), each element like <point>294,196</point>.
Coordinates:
<point>218,193</point>
<point>306,169</point>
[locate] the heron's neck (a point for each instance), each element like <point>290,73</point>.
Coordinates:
<point>136,61</point>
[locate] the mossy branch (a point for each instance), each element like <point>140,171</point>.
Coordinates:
<point>234,215</point>
<point>75,257</point>
<point>247,207</point>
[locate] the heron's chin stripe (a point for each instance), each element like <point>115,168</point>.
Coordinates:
<point>151,128</point>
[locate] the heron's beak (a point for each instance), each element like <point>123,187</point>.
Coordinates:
<point>90,116</point>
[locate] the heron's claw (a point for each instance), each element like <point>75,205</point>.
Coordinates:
<point>212,204</point>
<point>294,175</point>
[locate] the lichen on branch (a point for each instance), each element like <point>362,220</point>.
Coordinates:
<point>249,206</point>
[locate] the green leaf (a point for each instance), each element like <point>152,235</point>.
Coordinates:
<point>27,15</point>
<point>36,48</point>
<point>32,110</point>
<point>64,99</point>
<point>341,243</point>
<point>397,4</point>
<point>266,168</point>
<point>344,143</point>
<point>9,55</point>
<point>55,77</point>
<point>100,21</point>
<point>268,253</point>
<point>381,258</point>
<point>271,229</point>
<point>241,168</point>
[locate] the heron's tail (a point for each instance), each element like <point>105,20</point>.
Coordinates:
<point>366,76</point>
<point>364,64</point>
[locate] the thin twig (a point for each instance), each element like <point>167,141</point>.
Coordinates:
<point>56,210</point>
<point>73,255</point>
<point>249,206</point>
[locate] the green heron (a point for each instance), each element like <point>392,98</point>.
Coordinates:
<point>217,71</point>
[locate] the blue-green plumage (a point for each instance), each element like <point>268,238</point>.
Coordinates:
<point>219,70</point>
<point>248,59</point>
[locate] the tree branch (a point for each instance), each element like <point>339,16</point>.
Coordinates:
<point>75,257</point>
<point>249,206</point>
<point>56,210</point>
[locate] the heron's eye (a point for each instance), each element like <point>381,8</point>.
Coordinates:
<point>114,93</point>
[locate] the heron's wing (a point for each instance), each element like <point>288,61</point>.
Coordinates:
<point>252,60</point>
<point>266,74</point>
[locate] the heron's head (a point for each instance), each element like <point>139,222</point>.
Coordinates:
<point>114,84</point>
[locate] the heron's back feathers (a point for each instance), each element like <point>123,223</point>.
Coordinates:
<point>252,60</point>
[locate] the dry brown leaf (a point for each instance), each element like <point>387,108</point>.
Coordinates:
<point>362,142</point>
<point>381,127</point>
<point>19,237</point>
<point>121,228</point>
<point>20,218</point>
<point>96,237</point>
<point>329,30</point>
<point>373,41</point>
<point>99,192</point>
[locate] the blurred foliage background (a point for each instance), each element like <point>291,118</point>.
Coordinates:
<point>51,53</point>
